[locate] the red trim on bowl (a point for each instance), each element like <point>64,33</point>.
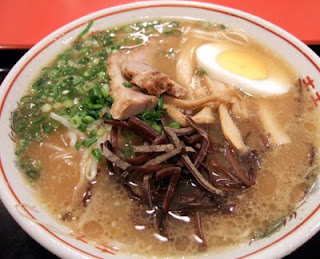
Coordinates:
<point>127,10</point>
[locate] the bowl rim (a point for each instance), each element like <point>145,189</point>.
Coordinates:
<point>53,242</point>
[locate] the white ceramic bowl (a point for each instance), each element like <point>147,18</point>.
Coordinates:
<point>19,199</point>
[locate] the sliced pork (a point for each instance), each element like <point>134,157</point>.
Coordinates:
<point>138,70</point>
<point>136,84</point>
<point>126,101</point>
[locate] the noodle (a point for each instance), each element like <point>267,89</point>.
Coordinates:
<point>67,124</point>
<point>85,166</point>
<point>73,138</point>
<point>221,36</point>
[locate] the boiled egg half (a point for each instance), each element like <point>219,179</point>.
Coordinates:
<point>251,71</point>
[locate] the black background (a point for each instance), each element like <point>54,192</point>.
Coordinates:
<point>15,243</point>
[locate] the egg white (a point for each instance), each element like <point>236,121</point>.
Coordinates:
<point>206,56</point>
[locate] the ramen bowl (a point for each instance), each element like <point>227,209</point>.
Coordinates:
<point>20,200</point>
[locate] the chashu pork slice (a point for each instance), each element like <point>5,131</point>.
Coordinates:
<point>126,101</point>
<point>137,68</point>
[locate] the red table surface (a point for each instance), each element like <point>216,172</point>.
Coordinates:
<point>24,22</point>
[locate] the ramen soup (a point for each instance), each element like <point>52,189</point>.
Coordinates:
<point>168,138</point>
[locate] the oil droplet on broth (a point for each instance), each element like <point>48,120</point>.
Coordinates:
<point>181,243</point>
<point>267,182</point>
<point>298,192</point>
<point>309,126</point>
<point>92,229</point>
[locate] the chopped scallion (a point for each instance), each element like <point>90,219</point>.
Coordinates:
<point>85,30</point>
<point>92,133</point>
<point>75,121</point>
<point>157,127</point>
<point>127,84</point>
<point>160,102</point>
<point>46,107</point>
<point>97,154</point>
<point>200,72</point>
<point>105,92</point>
<point>67,103</point>
<point>88,119</point>
<point>108,116</point>
<point>90,141</point>
<point>79,144</point>
<point>174,125</point>
<point>23,147</point>
<point>101,131</point>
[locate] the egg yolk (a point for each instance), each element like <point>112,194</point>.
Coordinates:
<point>243,63</point>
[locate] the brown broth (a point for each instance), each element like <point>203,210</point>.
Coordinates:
<point>111,218</point>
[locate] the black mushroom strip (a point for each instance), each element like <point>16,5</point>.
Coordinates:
<point>114,140</point>
<point>146,188</point>
<point>199,230</point>
<point>174,173</point>
<point>153,148</point>
<point>204,142</point>
<point>199,177</point>
<point>152,168</point>
<point>163,157</point>
<point>122,124</point>
<point>142,129</point>
<point>116,160</point>
<point>311,155</point>
<point>178,171</point>
<point>240,172</point>
<point>141,159</point>
<point>87,195</point>
<point>184,131</point>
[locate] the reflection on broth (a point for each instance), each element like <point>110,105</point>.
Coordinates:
<point>81,146</point>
